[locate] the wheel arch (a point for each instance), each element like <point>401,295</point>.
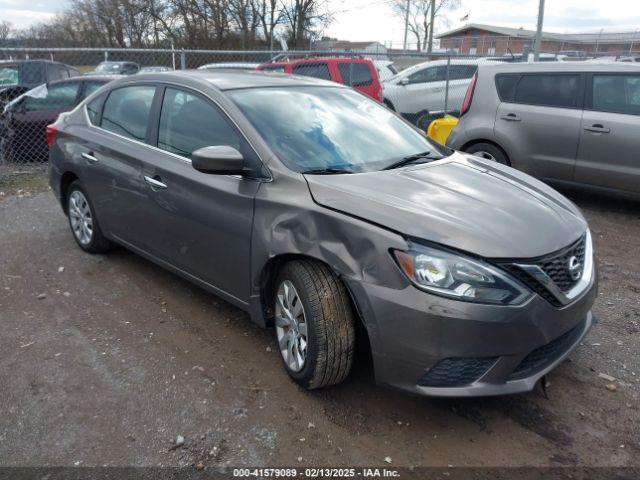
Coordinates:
<point>389,103</point>
<point>475,141</point>
<point>66,180</point>
<point>268,286</point>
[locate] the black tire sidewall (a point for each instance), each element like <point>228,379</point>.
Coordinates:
<point>306,375</point>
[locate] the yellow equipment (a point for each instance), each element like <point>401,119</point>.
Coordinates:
<point>440,128</point>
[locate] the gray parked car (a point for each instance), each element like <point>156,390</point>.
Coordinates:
<point>317,210</point>
<point>572,123</point>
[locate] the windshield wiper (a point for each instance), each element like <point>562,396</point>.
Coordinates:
<point>327,171</point>
<point>412,158</point>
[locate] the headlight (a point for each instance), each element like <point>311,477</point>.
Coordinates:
<point>464,278</point>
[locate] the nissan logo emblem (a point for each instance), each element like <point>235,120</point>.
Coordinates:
<point>575,268</point>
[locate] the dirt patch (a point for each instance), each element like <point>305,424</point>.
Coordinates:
<point>23,181</point>
<point>106,360</point>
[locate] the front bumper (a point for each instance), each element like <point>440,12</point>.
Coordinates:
<point>436,346</point>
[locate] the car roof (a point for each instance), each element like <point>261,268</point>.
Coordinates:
<point>33,60</point>
<point>230,79</point>
<point>453,61</point>
<point>525,67</point>
<point>238,65</point>
<point>318,59</point>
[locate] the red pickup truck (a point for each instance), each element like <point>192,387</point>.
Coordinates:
<point>359,73</point>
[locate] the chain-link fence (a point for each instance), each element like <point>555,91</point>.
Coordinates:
<point>36,85</point>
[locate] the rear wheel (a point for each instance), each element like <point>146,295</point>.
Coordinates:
<point>488,152</point>
<point>314,324</point>
<point>83,222</point>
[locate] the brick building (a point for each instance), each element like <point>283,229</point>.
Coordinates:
<point>479,39</point>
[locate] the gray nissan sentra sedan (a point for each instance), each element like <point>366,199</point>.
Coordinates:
<point>317,210</point>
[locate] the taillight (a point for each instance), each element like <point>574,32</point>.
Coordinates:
<point>51,133</point>
<point>466,104</point>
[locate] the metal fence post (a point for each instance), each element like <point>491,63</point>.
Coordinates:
<point>183,60</point>
<point>446,86</point>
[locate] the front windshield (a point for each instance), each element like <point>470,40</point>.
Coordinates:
<point>9,75</point>
<point>315,128</point>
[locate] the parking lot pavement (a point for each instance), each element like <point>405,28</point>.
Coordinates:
<point>107,359</point>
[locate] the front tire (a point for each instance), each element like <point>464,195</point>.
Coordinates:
<point>314,324</point>
<point>84,224</point>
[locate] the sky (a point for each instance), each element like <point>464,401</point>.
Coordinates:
<point>362,20</point>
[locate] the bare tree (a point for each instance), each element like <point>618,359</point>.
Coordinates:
<point>5,30</point>
<point>269,15</point>
<point>183,23</point>
<point>305,20</point>
<point>423,16</point>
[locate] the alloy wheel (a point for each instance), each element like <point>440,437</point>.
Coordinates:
<point>485,155</point>
<point>81,217</point>
<point>291,326</point>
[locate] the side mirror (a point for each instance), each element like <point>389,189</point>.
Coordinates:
<point>403,81</point>
<point>221,160</point>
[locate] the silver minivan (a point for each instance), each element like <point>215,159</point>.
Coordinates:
<point>566,123</point>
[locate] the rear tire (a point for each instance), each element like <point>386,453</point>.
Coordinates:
<point>488,152</point>
<point>315,324</point>
<point>84,224</point>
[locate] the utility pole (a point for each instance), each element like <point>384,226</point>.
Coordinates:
<point>538,44</point>
<point>406,25</point>
<point>432,22</point>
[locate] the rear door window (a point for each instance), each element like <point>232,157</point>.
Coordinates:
<point>616,93</point>
<point>427,75</point>
<point>461,72</point>
<point>189,122</point>
<point>126,111</point>
<point>355,74</point>
<point>59,96</point>
<point>551,90</point>
<point>316,70</point>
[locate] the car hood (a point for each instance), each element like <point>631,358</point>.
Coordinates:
<point>462,202</point>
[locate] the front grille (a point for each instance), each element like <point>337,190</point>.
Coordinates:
<point>456,372</point>
<point>544,355</point>
<point>533,284</point>
<point>557,266</point>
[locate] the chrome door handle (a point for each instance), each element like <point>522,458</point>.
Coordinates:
<point>511,117</point>
<point>154,183</point>
<point>89,157</point>
<point>598,128</point>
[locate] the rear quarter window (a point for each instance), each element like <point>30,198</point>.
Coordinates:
<point>355,74</point>
<point>506,86</point>
<point>94,108</point>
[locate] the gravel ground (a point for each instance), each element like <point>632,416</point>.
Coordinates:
<point>107,359</point>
